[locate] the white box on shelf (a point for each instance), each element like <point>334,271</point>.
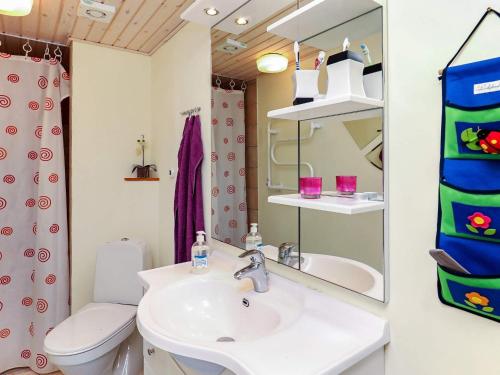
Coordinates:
<point>373,81</point>
<point>306,85</point>
<point>345,75</point>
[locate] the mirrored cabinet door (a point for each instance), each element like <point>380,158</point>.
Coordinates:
<point>263,145</point>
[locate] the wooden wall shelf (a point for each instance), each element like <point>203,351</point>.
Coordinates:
<point>141,179</point>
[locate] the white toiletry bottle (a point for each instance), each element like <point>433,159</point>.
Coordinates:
<point>254,239</point>
<point>199,254</point>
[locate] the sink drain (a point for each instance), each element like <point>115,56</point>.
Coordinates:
<point>225,339</point>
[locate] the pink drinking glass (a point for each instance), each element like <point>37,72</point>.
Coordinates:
<point>346,185</point>
<point>310,187</point>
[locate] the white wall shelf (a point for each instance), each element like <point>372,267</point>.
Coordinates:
<point>318,16</point>
<point>348,206</point>
<point>327,107</point>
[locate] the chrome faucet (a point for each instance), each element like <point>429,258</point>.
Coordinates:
<point>256,270</point>
<point>285,254</point>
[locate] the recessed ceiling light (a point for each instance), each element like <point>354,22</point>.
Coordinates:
<point>242,21</point>
<point>272,63</point>
<point>211,11</point>
<point>16,7</point>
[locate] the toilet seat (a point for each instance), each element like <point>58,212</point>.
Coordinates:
<point>90,333</point>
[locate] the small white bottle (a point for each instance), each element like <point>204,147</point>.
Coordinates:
<point>254,239</point>
<point>199,254</point>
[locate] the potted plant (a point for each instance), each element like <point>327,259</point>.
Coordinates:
<point>143,171</point>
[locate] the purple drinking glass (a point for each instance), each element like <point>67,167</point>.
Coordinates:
<point>346,185</point>
<point>310,187</point>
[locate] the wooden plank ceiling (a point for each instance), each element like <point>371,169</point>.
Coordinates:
<point>243,65</point>
<point>139,25</point>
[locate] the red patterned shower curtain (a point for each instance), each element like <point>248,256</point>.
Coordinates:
<point>34,276</point>
<point>229,206</point>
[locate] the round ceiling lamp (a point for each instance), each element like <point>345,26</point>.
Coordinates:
<point>211,11</point>
<point>241,21</point>
<point>16,7</point>
<point>272,63</point>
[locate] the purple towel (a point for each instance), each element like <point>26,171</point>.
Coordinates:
<point>188,203</point>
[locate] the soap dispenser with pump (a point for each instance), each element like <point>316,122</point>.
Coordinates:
<point>254,239</point>
<point>199,254</point>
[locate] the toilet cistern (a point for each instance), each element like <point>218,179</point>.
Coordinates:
<point>256,270</point>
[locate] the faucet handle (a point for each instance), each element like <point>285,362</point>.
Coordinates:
<point>286,249</point>
<point>256,256</point>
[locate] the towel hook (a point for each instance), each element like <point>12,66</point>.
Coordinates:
<point>58,54</point>
<point>46,54</point>
<point>27,48</point>
<point>218,82</point>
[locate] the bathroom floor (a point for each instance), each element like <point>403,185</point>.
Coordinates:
<point>26,371</point>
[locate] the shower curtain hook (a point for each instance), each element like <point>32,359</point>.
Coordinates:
<point>218,81</point>
<point>58,54</point>
<point>46,54</point>
<point>244,86</point>
<point>27,48</point>
<point>232,84</point>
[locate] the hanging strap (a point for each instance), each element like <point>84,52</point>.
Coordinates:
<point>488,11</point>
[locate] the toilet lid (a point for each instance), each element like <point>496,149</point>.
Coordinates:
<point>91,326</point>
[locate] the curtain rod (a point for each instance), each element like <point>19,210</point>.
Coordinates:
<point>222,76</point>
<point>34,40</point>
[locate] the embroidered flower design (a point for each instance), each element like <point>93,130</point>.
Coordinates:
<point>479,220</point>
<point>482,221</point>
<point>476,300</point>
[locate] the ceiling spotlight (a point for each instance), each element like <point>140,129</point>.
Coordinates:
<point>272,63</point>
<point>242,21</point>
<point>211,11</point>
<point>16,7</point>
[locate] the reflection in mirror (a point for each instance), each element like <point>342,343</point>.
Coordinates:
<point>255,158</point>
<point>240,152</point>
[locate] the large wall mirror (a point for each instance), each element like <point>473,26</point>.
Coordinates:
<point>258,159</point>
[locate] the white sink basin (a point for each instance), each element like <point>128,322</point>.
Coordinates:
<point>289,330</point>
<point>205,310</point>
<point>345,272</point>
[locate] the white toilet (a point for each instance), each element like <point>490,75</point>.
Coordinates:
<point>101,338</point>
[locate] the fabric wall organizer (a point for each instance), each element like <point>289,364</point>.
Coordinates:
<point>469,191</point>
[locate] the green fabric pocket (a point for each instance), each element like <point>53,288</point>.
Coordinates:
<point>476,294</point>
<point>471,134</point>
<point>468,215</point>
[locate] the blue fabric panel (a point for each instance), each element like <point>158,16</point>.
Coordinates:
<point>478,257</point>
<point>458,292</point>
<point>472,174</point>
<point>460,81</point>
<point>461,126</point>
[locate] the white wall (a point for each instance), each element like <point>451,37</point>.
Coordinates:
<point>428,338</point>
<point>110,109</point>
<point>181,79</point>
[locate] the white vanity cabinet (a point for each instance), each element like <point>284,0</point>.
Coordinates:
<point>159,362</point>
